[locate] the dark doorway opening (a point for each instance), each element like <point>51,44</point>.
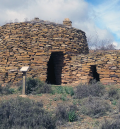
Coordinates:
<point>54,68</point>
<point>94,74</point>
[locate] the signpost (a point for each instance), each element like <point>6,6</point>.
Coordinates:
<point>24,70</point>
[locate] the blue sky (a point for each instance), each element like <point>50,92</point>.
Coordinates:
<point>95,2</point>
<point>107,16</point>
<point>99,19</point>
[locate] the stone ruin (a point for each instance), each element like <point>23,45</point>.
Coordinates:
<point>56,53</point>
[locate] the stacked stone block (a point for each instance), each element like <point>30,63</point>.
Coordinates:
<point>31,43</point>
<point>67,22</point>
<point>107,63</point>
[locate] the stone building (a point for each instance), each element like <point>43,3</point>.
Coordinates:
<point>56,53</point>
<point>44,46</point>
<point>103,66</point>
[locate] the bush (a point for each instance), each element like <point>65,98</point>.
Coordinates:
<point>113,93</point>
<point>32,85</point>
<point>61,112</point>
<point>111,124</point>
<point>63,97</point>
<point>81,91</point>
<point>63,90</point>
<point>24,113</point>
<point>5,90</point>
<point>118,105</point>
<point>94,89</point>
<point>71,116</point>
<point>35,86</point>
<point>72,113</point>
<point>59,90</point>
<point>94,106</point>
<point>66,113</point>
<point>69,90</point>
<point>46,88</point>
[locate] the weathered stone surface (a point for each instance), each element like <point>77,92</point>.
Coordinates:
<point>37,43</point>
<point>32,44</point>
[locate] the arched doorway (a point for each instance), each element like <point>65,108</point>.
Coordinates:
<point>54,68</point>
<point>94,74</point>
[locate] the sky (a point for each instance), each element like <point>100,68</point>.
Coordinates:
<point>99,19</point>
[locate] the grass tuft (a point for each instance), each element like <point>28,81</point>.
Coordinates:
<point>66,113</point>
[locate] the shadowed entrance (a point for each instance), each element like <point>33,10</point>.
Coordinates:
<point>94,74</point>
<point>54,69</point>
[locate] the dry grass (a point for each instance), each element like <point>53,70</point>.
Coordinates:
<point>52,100</point>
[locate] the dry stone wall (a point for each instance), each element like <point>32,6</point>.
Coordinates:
<point>103,66</point>
<point>39,44</point>
<point>55,53</point>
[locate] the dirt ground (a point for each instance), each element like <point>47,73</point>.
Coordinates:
<point>50,103</point>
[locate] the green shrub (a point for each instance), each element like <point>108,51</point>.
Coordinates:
<point>72,116</point>
<point>118,105</point>
<point>63,97</point>
<point>63,90</point>
<point>94,106</point>
<point>19,86</point>
<point>59,89</point>
<point>12,91</point>
<point>56,98</point>
<point>114,102</point>
<point>5,90</point>
<point>35,86</point>
<point>61,112</point>
<point>94,89</point>
<point>113,93</point>
<point>24,113</point>
<point>66,113</point>
<point>32,85</point>
<point>81,91</point>
<point>69,90</point>
<point>46,88</point>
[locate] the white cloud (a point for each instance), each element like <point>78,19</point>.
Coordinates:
<point>79,12</point>
<point>109,15</point>
<point>53,10</point>
<point>20,16</point>
<point>46,9</point>
<point>58,10</point>
<point>95,35</point>
<point>115,44</point>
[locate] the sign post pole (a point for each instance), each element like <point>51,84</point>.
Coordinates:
<point>24,70</point>
<point>24,80</point>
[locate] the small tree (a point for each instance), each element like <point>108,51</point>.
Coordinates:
<point>97,44</point>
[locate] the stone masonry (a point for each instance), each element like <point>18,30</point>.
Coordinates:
<point>104,66</point>
<point>44,46</point>
<point>56,53</point>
